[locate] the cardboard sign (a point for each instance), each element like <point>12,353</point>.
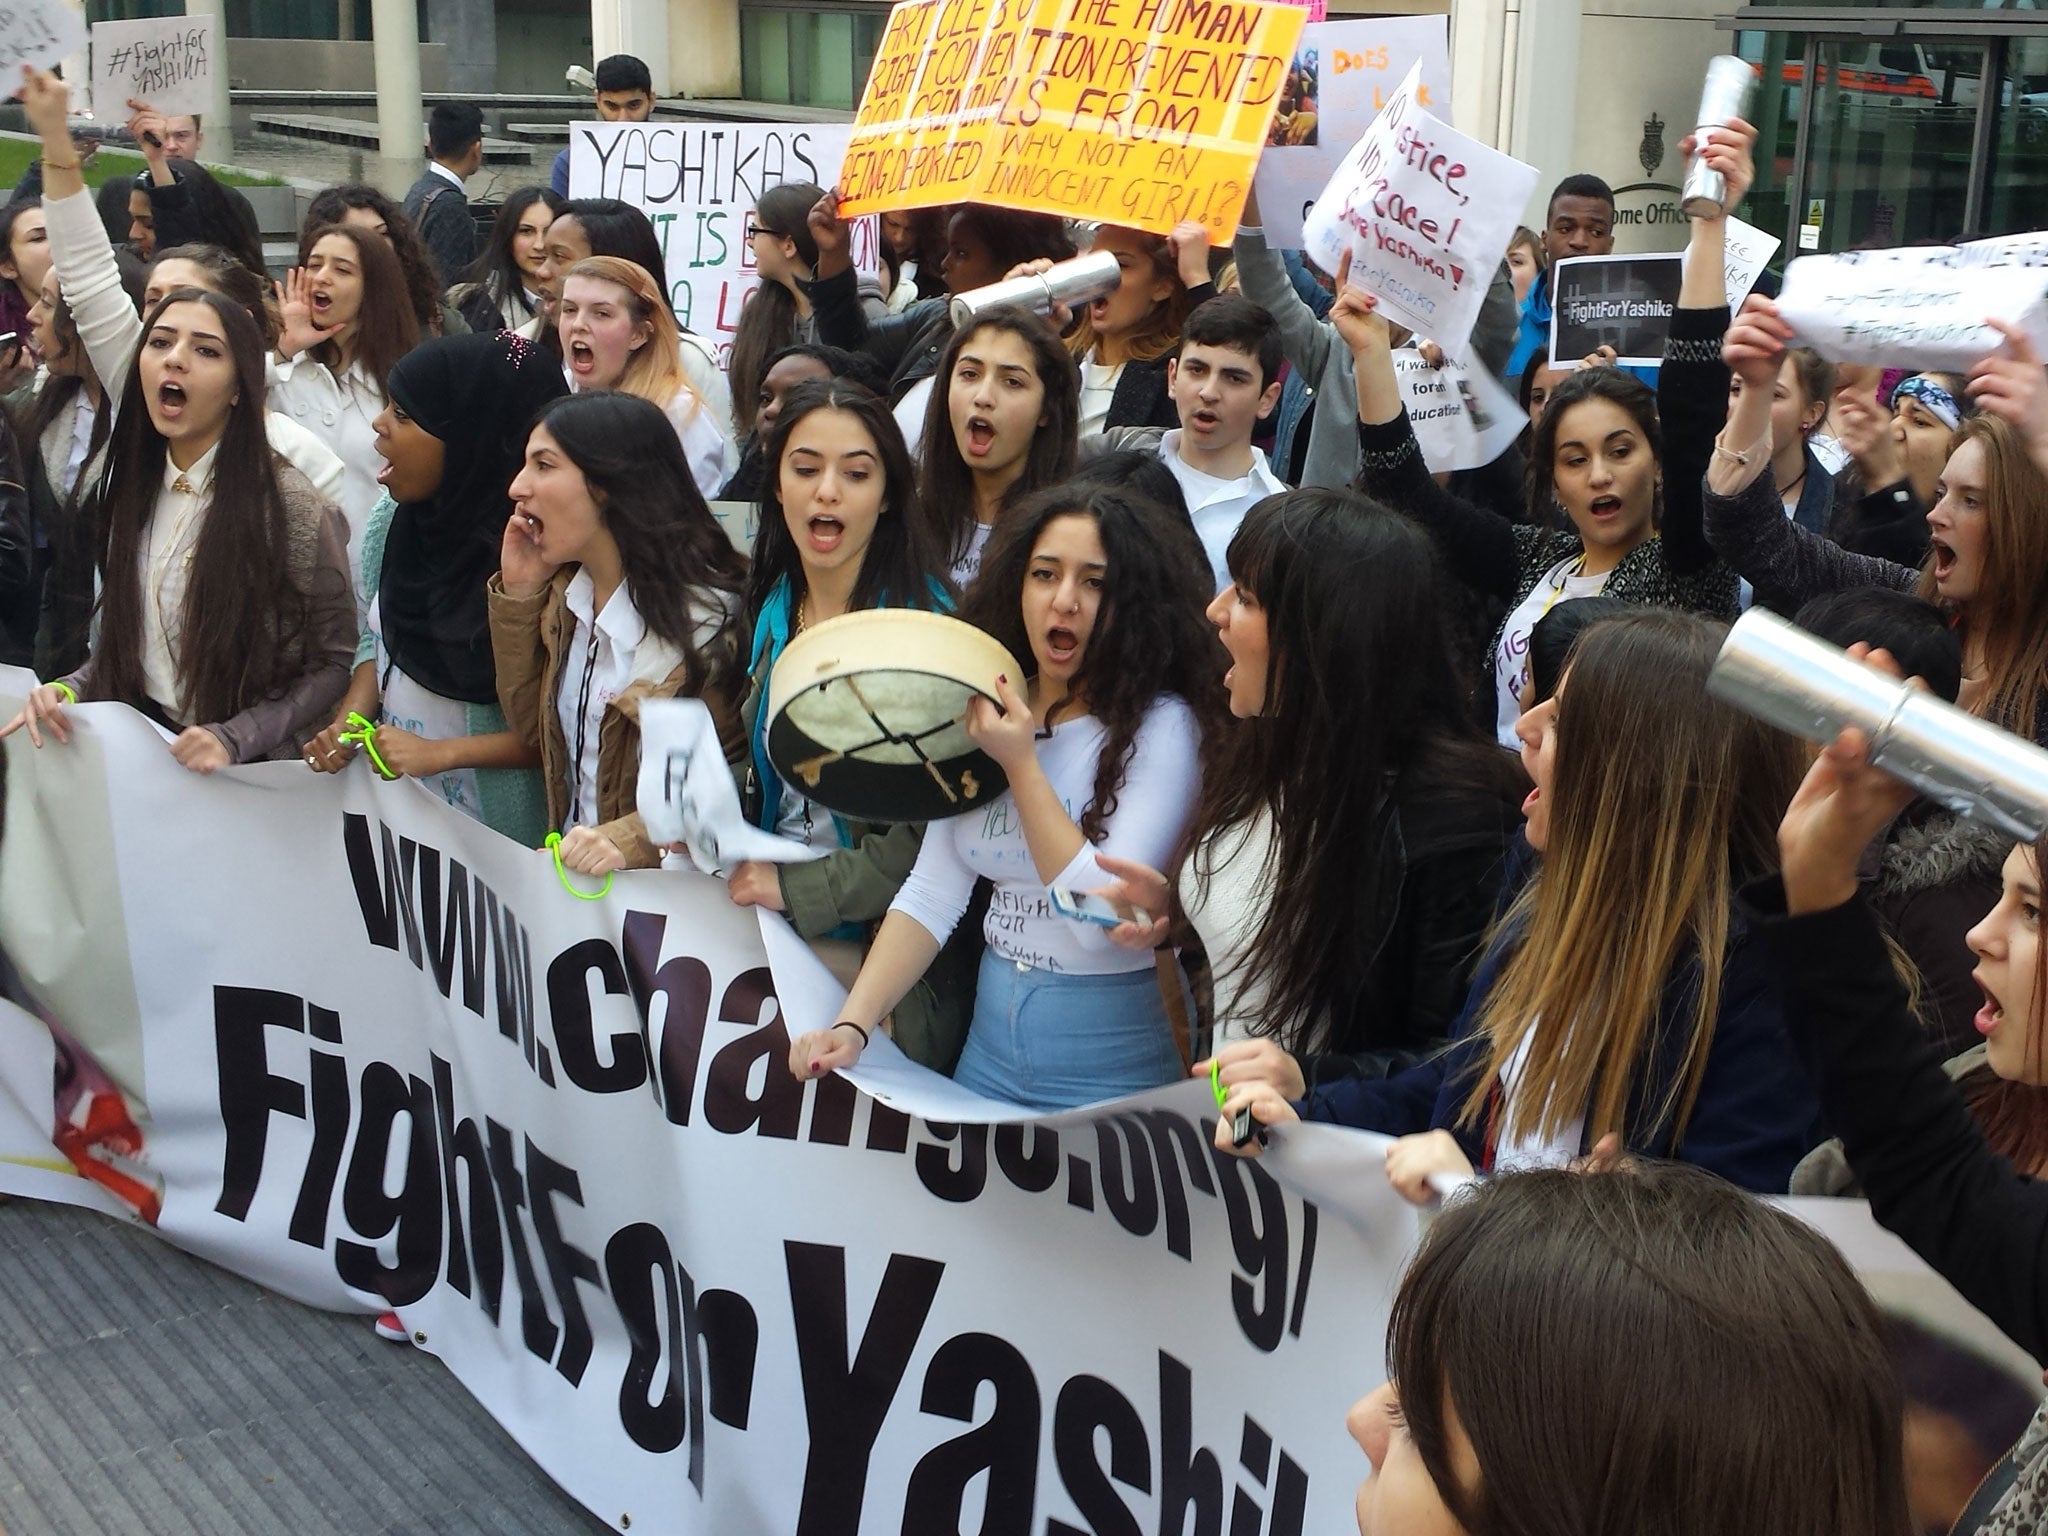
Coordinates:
<point>167,61</point>
<point>1461,416</point>
<point>41,33</point>
<point>1923,307</point>
<point>1343,74</point>
<point>698,183</point>
<point>1135,112</point>
<point>1623,302</point>
<point>1425,213</point>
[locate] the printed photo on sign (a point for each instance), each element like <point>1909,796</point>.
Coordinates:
<point>1623,302</point>
<point>1357,67</point>
<point>1294,124</point>
<point>167,61</point>
<point>698,183</point>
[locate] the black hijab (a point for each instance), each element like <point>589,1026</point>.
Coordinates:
<point>479,395</point>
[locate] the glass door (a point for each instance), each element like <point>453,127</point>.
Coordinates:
<point>2014,197</point>
<point>1888,152</point>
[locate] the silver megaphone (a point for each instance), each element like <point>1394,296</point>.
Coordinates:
<point>1072,283</point>
<point>1786,678</point>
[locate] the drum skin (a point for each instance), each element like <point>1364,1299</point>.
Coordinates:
<point>866,715</point>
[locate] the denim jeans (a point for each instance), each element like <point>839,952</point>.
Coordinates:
<point>1054,1040</point>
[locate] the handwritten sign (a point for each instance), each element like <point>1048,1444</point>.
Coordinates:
<point>42,33</point>
<point>699,183</point>
<point>1134,112</point>
<point>1461,416</point>
<point>1425,213</point>
<point>1747,250</point>
<point>1343,75</point>
<point>167,61</point>
<point>1923,307</point>
<point>1623,302</point>
<point>686,793</point>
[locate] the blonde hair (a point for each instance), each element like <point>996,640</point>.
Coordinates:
<point>1160,333</point>
<point>1663,801</point>
<point>654,372</point>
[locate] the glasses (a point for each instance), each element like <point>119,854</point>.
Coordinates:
<point>754,229</point>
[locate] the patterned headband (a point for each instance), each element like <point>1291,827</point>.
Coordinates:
<point>1934,399</point>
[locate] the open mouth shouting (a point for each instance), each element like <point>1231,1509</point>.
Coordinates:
<point>1062,646</point>
<point>582,361</point>
<point>170,400</point>
<point>1605,508</point>
<point>825,533</point>
<point>1203,420</point>
<point>981,437</point>
<point>1944,560</point>
<point>1992,1014</point>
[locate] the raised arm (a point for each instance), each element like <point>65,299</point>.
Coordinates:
<point>1479,546</point>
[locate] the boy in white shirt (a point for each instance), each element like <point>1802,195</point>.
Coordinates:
<point>1224,383</point>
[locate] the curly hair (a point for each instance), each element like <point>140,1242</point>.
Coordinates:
<point>422,277</point>
<point>1149,636</point>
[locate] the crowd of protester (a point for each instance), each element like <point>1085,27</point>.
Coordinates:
<point>1407,786</point>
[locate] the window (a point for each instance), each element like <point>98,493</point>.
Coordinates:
<point>810,58</point>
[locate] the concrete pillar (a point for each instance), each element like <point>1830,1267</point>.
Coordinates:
<point>704,47</point>
<point>638,27</point>
<point>470,29</point>
<point>401,121</point>
<point>1541,121</point>
<point>218,120</point>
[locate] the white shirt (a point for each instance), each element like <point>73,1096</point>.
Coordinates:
<point>706,445</point>
<point>167,547</point>
<point>84,414</point>
<point>1511,660</point>
<point>448,176</point>
<point>1152,809</point>
<point>967,564</point>
<point>337,409</point>
<point>1098,386</point>
<point>1227,910</point>
<point>1531,1151</point>
<point>1218,506</point>
<point>910,412</point>
<point>608,653</point>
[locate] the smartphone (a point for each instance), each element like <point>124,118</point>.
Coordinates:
<point>1091,909</point>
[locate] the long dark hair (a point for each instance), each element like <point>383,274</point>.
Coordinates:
<point>1149,636</point>
<point>233,281</point>
<point>495,270</point>
<point>1624,390</point>
<point>226,222</point>
<point>244,613</point>
<point>616,228</point>
<point>903,559</point>
<point>948,484</point>
<point>669,543</point>
<point>768,318</point>
<point>1724,1368</point>
<point>10,215</point>
<point>1363,708</point>
<point>422,279</point>
<point>385,327</point>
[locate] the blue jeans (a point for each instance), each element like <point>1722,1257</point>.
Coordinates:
<point>1051,1040</point>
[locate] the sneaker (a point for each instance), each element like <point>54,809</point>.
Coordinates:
<point>389,1327</point>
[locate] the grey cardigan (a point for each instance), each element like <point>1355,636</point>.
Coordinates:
<point>1319,355</point>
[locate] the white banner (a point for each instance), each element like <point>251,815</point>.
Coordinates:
<point>1344,74</point>
<point>1462,418</point>
<point>1425,212</point>
<point>372,1053</point>
<point>1918,307</point>
<point>41,33</point>
<point>166,61</point>
<point>699,183</point>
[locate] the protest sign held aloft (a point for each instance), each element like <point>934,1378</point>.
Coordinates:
<point>698,184</point>
<point>167,61</point>
<point>39,32</point>
<point>1922,307</point>
<point>1623,302</point>
<point>1462,418</point>
<point>1425,213</point>
<point>1343,74</point>
<point>1135,112</point>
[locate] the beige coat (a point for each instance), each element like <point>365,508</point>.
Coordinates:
<point>529,636</point>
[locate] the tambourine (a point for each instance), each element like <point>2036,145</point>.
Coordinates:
<point>866,715</point>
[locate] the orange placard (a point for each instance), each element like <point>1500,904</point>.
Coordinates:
<point>1135,112</point>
